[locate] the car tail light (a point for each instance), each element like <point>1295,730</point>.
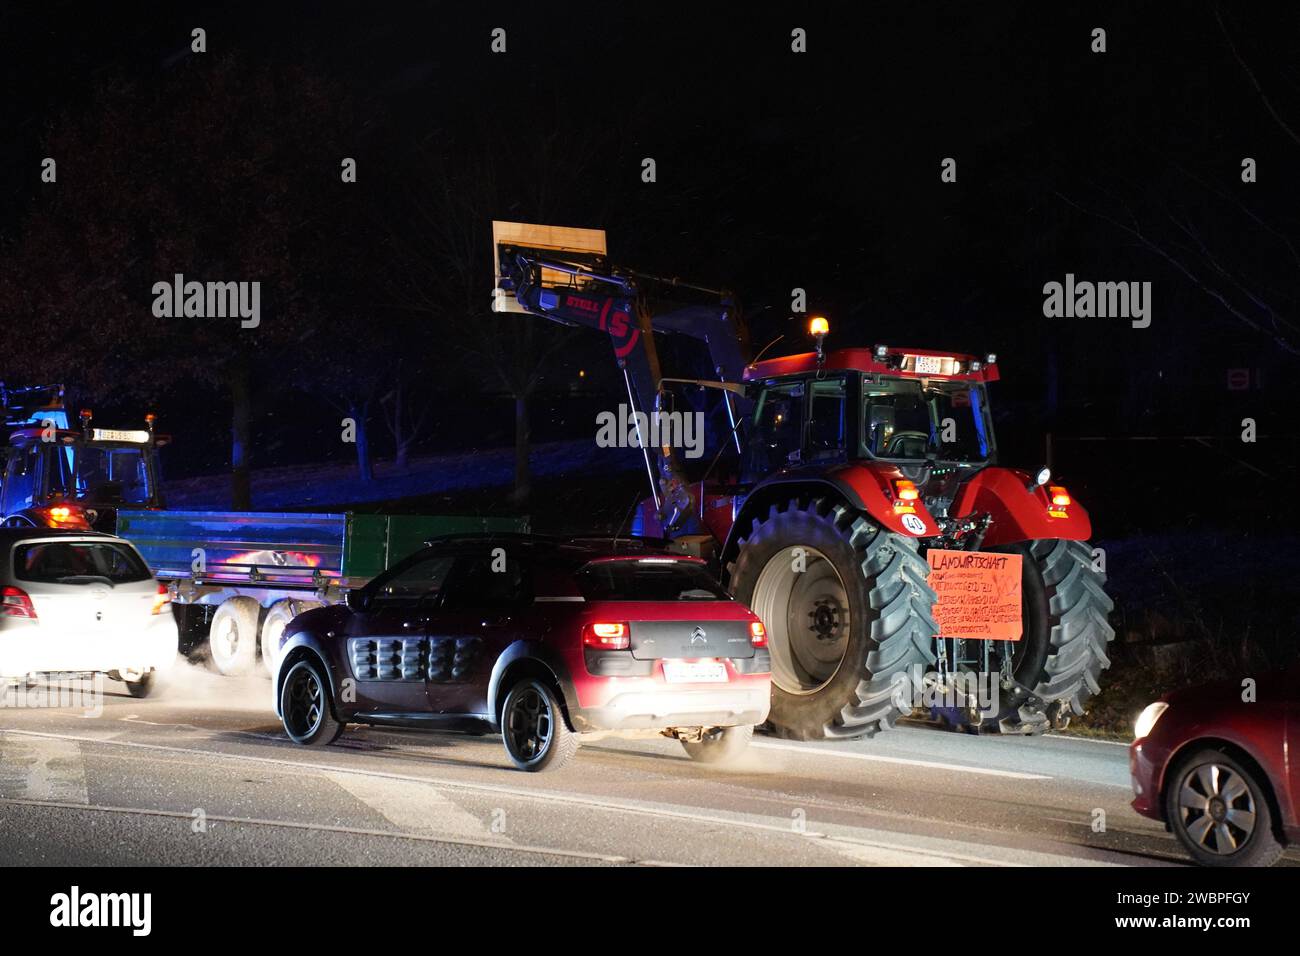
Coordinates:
<point>161,599</point>
<point>757,634</point>
<point>607,636</point>
<point>16,603</point>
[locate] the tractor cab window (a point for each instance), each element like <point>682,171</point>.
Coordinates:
<point>19,480</point>
<point>778,428</point>
<point>106,474</point>
<point>826,419</point>
<point>905,419</point>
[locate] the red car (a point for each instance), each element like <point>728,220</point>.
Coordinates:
<point>540,640</point>
<point>1223,773</point>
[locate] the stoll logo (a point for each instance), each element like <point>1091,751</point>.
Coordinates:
<point>74,909</point>
<point>209,300</point>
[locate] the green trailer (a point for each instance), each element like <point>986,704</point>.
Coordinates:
<point>237,578</point>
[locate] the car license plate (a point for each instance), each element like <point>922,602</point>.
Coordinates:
<point>695,672</point>
<point>929,365</point>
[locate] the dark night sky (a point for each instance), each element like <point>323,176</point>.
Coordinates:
<point>822,170</point>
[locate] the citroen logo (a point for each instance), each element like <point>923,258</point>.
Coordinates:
<point>698,636</point>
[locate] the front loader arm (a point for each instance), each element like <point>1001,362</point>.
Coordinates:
<point>611,301</point>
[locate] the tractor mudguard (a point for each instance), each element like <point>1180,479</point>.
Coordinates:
<point>1018,513</point>
<point>869,487</point>
<point>864,486</point>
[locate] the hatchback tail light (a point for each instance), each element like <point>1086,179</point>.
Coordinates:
<point>757,634</point>
<point>607,636</point>
<point>16,603</point>
<point>161,599</point>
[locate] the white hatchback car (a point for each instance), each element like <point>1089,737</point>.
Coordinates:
<point>77,602</point>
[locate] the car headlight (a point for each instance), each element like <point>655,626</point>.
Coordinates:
<point>1146,721</point>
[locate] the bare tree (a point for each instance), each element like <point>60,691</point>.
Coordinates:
<point>443,268</point>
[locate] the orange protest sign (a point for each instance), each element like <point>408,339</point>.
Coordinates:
<point>979,594</point>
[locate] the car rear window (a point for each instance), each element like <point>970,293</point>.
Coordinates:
<point>648,580</point>
<point>67,562</point>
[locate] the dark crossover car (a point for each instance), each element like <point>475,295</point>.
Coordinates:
<point>1220,765</point>
<point>541,640</point>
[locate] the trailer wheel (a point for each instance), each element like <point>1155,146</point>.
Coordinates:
<point>232,637</point>
<point>848,610</point>
<point>1062,651</point>
<point>273,625</point>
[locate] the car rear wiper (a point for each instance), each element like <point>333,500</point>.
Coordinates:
<point>79,578</point>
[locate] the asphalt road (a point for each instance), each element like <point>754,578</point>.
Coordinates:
<point>203,775</point>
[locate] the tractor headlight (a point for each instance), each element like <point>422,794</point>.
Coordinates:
<point>1146,721</point>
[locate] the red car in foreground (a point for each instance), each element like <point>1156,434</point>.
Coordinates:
<point>540,640</point>
<point>1221,772</point>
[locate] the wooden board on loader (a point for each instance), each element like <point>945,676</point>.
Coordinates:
<point>535,236</point>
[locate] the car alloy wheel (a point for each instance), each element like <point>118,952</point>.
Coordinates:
<point>305,703</point>
<point>529,724</point>
<point>1216,808</point>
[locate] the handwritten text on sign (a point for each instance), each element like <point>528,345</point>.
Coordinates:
<point>979,594</point>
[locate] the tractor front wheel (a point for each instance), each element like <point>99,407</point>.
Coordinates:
<point>848,612</point>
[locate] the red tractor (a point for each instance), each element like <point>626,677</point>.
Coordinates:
<point>851,468</point>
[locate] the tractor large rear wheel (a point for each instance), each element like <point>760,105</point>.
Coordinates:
<point>848,613</point>
<point>1062,650</point>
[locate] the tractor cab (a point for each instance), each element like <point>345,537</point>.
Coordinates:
<point>925,413</point>
<point>58,476</point>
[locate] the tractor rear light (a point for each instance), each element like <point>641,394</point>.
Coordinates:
<point>905,490</point>
<point>757,634</point>
<point>161,599</point>
<point>61,516</point>
<point>905,496</point>
<point>16,603</point>
<point>607,636</point>
<point>1060,497</point>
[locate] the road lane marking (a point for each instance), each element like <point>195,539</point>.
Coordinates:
<point>44,769</point>
<point>887,856</point>
<point>410,806</point>
<point>904,761</point>
<point>1089,740</point>
<point>188,817</point>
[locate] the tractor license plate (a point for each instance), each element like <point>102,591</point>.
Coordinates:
<point>695,672</point>
<point>929,365</point>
